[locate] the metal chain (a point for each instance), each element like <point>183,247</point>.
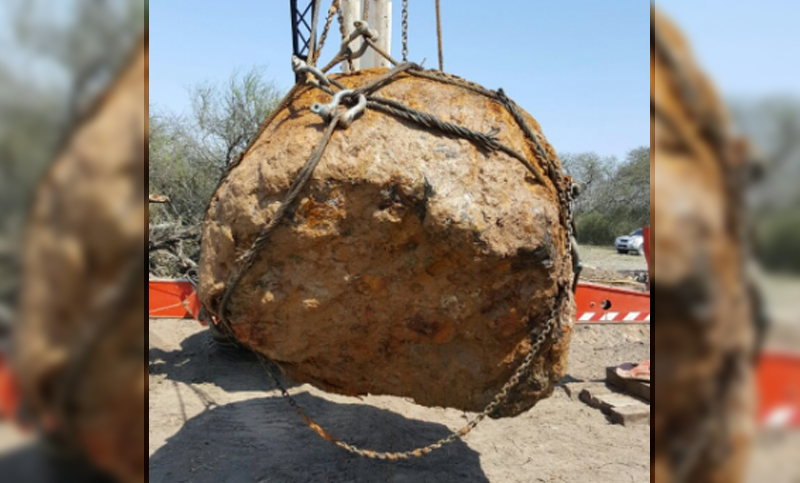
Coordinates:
<point>366,10</point>
<point>488,141</point>
<point>405,30</point>
<point>537,341</point>
<point>335,5</point>
<point>565,193</point>
<point>439,34</point>
<point>340,19</point>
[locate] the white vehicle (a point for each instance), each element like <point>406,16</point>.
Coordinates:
<point>631,243</point>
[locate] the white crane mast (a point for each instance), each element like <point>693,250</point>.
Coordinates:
<point>380,19</point>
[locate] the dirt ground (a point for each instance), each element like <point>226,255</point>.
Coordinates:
<point>216,417</point>
<point>607,258</point>
<point>605,265</point>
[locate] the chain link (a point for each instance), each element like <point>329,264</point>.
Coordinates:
<point>335,5</point>
<point>565,191</point>
<point>439,34</point>
<point>537,341</point>
<point>405,30</point>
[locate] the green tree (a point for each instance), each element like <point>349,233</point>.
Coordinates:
<point>227,116</point>
<point>615,196</point>
<point>55,59</point>
<point>772,126</point>
<point>188,154</point>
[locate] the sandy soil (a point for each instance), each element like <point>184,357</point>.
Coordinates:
<point>604,265</point>
<point>774,458</point>
<point>607,258</point>
<point>216,417</point>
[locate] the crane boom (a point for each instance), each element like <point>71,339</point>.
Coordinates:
<point>302,20</point>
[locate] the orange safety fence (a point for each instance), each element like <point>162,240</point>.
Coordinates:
<point>778,380</point>
<point>173,299</point>
<point>9,392</point>
<point>598,304</point>
<point>778,374</point>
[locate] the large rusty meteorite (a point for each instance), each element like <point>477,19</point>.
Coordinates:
<point>79,340</point>
<point>415,264</point>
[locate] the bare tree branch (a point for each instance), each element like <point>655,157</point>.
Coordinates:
<point>168,239</point>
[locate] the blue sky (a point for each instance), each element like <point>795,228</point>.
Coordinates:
<point>750,49</point>
<point>581,67</point>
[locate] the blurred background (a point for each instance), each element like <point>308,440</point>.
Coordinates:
<point>57,57</point>
<point>746,49</point>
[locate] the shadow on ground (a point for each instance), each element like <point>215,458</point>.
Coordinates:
<point>36,463</point>
<point>263,440</point>
<point>200,360</point>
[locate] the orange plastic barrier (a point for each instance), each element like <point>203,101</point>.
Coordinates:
<point>597,304</point>
<point>9,392</point>
<point>173,299</point>
<point>607,305</point>
<point>176,299</point>
<point>779,390</point>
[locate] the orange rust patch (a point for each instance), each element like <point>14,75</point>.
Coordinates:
<point>371,285</point>
<point>509,323</point>
<point>445,333</point>
<point>438,267</point>
<point>316,214</point>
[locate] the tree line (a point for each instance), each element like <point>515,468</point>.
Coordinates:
<point>188,155</point>
<point>189,152</point>
<point>54,64</point>
<point>615,194</point>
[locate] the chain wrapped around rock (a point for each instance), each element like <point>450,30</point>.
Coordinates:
<point>424,252</point>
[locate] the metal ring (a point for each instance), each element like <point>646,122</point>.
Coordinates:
<point>326,110</point>
<point>347,119</point>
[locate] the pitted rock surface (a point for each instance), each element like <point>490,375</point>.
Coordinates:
<point>84,231</point>
<point>415,264</point>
